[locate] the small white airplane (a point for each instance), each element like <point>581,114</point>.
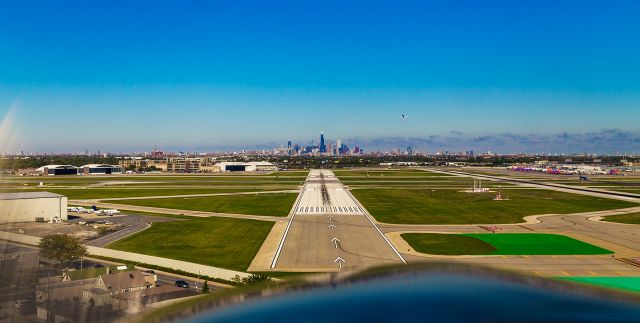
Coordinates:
<point>403,116</point>
<point>110,212</point>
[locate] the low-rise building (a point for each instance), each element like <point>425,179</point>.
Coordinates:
<point>158,164</point>
<point>114,283</point>
<point>183,164</point>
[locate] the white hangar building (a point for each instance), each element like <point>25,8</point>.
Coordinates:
<point>28,206</point>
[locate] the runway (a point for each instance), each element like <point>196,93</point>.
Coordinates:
<point>329,230</point>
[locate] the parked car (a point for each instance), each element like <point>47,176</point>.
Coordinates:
<point>182,284</point>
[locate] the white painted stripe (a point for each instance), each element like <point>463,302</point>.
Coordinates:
<point>286,231</point>
<point>368,216</point>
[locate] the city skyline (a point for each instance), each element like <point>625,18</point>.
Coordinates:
<point>191,78</point>
<point>627,143</point>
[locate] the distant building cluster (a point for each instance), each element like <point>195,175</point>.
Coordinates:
<point>184,164</point>
<point>568,168</point>
<point>324,148</point>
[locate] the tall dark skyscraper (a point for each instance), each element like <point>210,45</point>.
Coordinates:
<point>323,146</point>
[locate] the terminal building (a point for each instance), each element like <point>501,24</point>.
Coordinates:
<point>32,206</point>
<point>247,167</point>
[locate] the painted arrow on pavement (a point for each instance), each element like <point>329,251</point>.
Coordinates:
<point>340,261</point>
<point>336,241</point>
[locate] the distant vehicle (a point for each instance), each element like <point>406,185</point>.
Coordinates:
<point>403,116</point>
<point>182,284</point>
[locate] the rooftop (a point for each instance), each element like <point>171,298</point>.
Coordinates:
<point>98,165</point>
<point>55,166</point>
<point>28,195</point>
<point>123,280</point>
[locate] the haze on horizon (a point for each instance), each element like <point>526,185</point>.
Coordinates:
<point>505,76</point>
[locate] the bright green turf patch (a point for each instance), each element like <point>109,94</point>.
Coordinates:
<point>632,218</point>
<point>415,206</point>
<point>625,283</point>
<point>220,242</point>
<point>273,204</point>
<point>500,244</point>
<point>537,244</point>
<point>447,244</point>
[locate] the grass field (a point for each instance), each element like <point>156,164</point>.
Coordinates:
<point>447,244</point>
<point>632,218</point>
<point>346,174</point>
<point>631,284</point>
<point>500,244</point>
<point>415,206</point>
<point>285,178</point>
<point>219,242</point>
<point>256,204</point>
<point>105,193</point>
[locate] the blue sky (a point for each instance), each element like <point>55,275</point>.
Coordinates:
<point>208,75</point>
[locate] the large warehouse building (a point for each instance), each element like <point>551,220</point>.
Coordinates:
<point>58,170</point>
<point>89,169</point>
<point>29,206</point>
<point>100,169</point>
<point>247,167</point>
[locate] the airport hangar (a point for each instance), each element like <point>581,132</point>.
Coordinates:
<point>31,206</point>
<point>247,167</point>
<point>89,169</point>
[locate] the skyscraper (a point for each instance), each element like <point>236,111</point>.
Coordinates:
<point>323,147</point>
<point>339,146</point>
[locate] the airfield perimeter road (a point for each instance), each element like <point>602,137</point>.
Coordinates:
<point>327,222</point>
<point>624,239</point>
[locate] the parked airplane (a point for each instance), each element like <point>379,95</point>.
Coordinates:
<point>110,212</point>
